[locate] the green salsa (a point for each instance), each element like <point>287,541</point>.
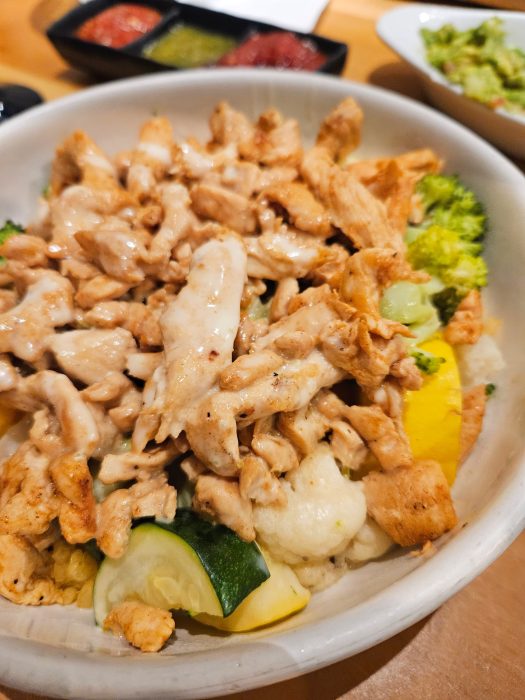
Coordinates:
<point>188,47</point>
<point>480,62</point>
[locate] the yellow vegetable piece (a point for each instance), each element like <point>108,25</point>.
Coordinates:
<point>279,596</point>
<point>8,417</point>
<point>432,415</point>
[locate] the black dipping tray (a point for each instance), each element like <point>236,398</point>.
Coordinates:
<point>108,62</point>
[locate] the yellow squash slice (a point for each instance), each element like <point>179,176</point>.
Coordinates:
<point>278,597</point>
<point>432,416</point>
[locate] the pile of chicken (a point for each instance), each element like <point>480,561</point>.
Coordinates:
<point>134,338</point>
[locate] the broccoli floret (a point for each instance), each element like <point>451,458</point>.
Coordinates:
<point>451,205</point>
<point>437,189</point>
<point>434,249</point>
<point>446,302</point>
<point>443,253</point>
<point>468,273</point>
<point>447,243</point>
<point>469,226</point>
<point>438,248</point>
<point>427,362</point>
<point>9,229</point>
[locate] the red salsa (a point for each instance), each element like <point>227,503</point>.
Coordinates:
<point>276,49</point>
<point>119,25</point>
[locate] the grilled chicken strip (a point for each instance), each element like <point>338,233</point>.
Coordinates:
<point>46,305</point>
<point>199,345</point>
<point>89,355</point>
<point>212,429</point>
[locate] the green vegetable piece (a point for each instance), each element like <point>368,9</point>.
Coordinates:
<point>435,249</point>
<point>437,189</point>
<point>469,226</point>
<point>189,564</point>
<point>235,567</point>
<point>468,273</point>
<point>427,362</point>
<point>490,389</point>
<point>515,100</point>
<point>410,304</point>
<point>483,84</point>
<point>479,61</point>
<point>449,204</point>
<point>443,253</point>
<point>405,302</point>
<point>446,302</point>
<point>9,229</point>
<point>425,330</point>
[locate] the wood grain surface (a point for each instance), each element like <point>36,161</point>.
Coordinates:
<point>473,647</point>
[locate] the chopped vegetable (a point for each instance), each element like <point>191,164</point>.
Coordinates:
<point>449,204</point>
<point>427,362</point>
<point>189,564</point>
<point>447,243</point>
<point>479,61</point>
<point>9,229</point>
<point>446,302</point>
<point>410,303</point>
<point>490,389</point>
<point>406,302</point>
<point>278,597</point>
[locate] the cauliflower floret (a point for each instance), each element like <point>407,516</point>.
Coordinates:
<point>479,363</point>
<point>316,576</point>
<point>370,542</point>
<point>324,510</point>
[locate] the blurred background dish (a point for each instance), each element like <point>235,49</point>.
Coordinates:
<point>401,30</point>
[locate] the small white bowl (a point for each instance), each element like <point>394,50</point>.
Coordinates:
<point>401,30</point>
<point>59,651</point>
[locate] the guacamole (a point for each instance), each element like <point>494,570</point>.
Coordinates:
<point>480,62</point>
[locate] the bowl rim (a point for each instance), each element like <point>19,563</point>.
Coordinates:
<point>386,30</point>
<point>287,653</point>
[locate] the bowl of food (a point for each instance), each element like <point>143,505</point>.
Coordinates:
<point>245,358</point>
<point>471,62</point>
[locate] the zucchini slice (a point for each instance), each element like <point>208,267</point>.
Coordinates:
<point>189,564</point>
<point>280,596</point>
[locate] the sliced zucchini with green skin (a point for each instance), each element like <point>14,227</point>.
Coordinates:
<point>189,564</point>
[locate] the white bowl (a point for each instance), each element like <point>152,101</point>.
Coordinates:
<point>400,29</point>
<point>59,651</point>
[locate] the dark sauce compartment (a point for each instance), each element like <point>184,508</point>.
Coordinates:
<point>184,37</point>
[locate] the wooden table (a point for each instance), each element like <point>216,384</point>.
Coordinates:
<point>474,645</point>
